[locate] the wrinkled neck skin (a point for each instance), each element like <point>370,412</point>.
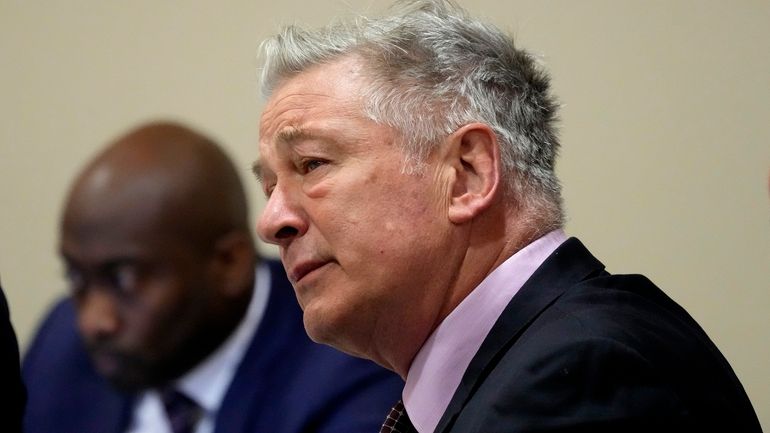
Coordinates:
<point>477,249</point>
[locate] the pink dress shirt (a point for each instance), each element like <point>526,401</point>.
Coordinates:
<point>438,367</point>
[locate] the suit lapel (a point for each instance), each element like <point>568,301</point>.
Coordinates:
<point>102,409</point>
<point>265,353</point>
<point>121,422</point>
<point>569,264</point>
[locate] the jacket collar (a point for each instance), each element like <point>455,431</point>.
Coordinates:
<point>569,264</point>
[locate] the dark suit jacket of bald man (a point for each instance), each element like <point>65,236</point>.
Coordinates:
<point>580,350</point>
<point>13,390</point>
<point>284,384</point>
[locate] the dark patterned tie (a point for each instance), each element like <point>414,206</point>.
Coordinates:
<point>183,413</point>
<point>398,421</point>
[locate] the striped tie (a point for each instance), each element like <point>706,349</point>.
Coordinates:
<point>183,413</point>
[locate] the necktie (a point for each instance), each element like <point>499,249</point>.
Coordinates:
<point>183,413</point>
<point>398,421</point>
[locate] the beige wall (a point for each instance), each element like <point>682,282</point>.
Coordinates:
<point>666,130</point>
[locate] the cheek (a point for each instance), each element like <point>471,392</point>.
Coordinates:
<point>140,332</point>
<point>379,221</point>
<point>394,205</point>
<point>157,317</point>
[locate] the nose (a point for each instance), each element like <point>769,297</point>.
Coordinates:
<point>98,316</point>
<point>282,219</point>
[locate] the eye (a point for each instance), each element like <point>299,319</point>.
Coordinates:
<point>122,277</point>
<point>309,165</point>
<point>75,280</point>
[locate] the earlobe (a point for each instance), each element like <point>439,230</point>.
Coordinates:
<point>475,157</point>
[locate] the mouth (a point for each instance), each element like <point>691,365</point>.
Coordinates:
<point>106,362</point>
<point>300,271</point>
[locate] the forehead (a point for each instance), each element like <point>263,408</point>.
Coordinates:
<point>95,242</point>
<point>321,107</point>
<point>321,92</point>
<point>124,223</point>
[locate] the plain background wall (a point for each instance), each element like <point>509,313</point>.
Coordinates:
<point>665,130</point>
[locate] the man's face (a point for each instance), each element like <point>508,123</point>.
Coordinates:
<point>362,242</point>
<point>142,295</point>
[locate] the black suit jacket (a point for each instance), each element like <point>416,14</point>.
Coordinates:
<point>13,390</point>
<point>284,384</point>
<point>580,350</point>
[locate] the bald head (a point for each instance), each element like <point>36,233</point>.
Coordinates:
<point>169,177</point>
<point>158,251</point>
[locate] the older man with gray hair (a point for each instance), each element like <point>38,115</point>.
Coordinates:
<point>408,164</point>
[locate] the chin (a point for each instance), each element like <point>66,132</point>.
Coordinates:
<point>129,382</point>
<point>332,330</point>
<point>130,377</point>
<point>317,328</point>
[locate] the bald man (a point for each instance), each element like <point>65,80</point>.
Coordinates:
<point>169,327</point>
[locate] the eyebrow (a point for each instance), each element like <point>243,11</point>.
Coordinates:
<point>291,134</point>
<point>287,136</point>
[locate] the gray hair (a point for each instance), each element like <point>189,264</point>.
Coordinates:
<point>432,69</point>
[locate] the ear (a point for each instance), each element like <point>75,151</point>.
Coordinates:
<point>474,154</point>
<point>234,259</point>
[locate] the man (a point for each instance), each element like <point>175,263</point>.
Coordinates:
<point>12,410</point>
<point>167,307</point>
<point>408,164</point>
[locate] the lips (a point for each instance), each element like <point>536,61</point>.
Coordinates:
<point>107,362</point>
<point>299,271</point>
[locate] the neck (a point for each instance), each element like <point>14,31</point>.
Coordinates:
<point>484,244</point>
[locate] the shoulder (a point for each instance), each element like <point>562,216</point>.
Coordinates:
<point>621,311</point>
<point>56,337</point>
<point>57,355</point>
<point>614,351</point>
<point>621,324</point>
<point>348,393</point>
<point>56,365</point>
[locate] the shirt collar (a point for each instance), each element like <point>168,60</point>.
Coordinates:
<point>438,367</point>
<point>209,380</point>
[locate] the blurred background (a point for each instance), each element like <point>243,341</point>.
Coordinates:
<point>665,130</point>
